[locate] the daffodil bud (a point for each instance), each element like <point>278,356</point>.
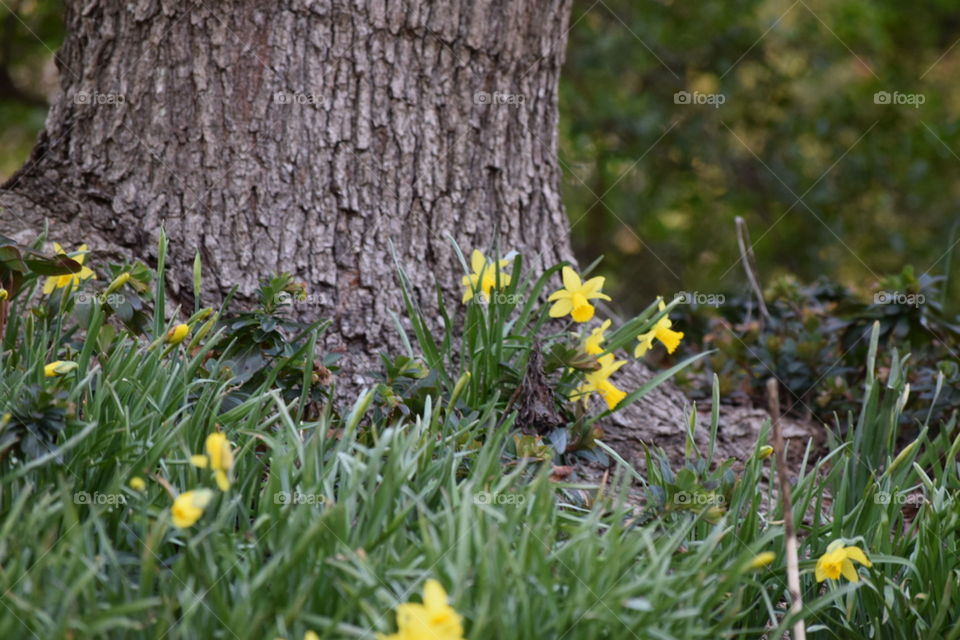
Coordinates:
<point>903,455</point>
<point>117,282</point>
<point>177,334</point>
<point>714,514</point>
<point>203,330</point>
<point>197,275</point>
<point>764,452</point>
<point>762,560</point>
<point>58,368</point>
<point>4,294</point>
<point>458,389</point>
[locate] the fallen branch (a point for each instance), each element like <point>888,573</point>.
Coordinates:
<point>793,563</point>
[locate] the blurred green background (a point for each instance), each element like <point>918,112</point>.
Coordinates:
<point>656,186</point>
<point>30,33</point>
<point>828,180</point>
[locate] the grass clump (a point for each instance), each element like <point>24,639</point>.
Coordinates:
<point>298,515</point>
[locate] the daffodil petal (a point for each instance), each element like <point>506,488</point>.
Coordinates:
<point>849,572</point>
<point>561,308</point>
<point>582,313</point>
<point>477,260</point>
<point>855,553</point>
<point>223,481</point>
<point>434,596</point>
<point>593,285</point>
<point>833,546</point>
<point>612,395</point>
<point>612,368</point>
<point>571,281</point>
<point>821,575</point>
<point>646,342</point>
<point>670,339</point>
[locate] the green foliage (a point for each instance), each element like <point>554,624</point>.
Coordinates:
<point>334,518</point>
<point>19,263</point>
<point>829,179</point>
<point>34,422</point>
<point>815,343</point>
<point>509,356</point>
<point>31,32</point>
<point>655,185</point>
<point>268,347</point>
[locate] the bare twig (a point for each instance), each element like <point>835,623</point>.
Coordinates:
<point>750,265</point>
<point>793,563</point>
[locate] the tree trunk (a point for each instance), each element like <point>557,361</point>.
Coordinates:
<point>305,136</point>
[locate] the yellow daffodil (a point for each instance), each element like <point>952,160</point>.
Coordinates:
<point>435,619</point>
<point>219,458</point>
<point>662,332</point>
<point>71,279</point>
<point>837,561</point>
<point>574,299</point>
<point>137,483</point>
<point>484,276</point>
<point>189,506</point>
<point>593,342</point>
<point>762,560</point>
<point>178,334</point>
<point>599,382</point>
<point>58,368</point>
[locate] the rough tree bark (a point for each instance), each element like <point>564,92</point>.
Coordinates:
<point>305,136</point>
